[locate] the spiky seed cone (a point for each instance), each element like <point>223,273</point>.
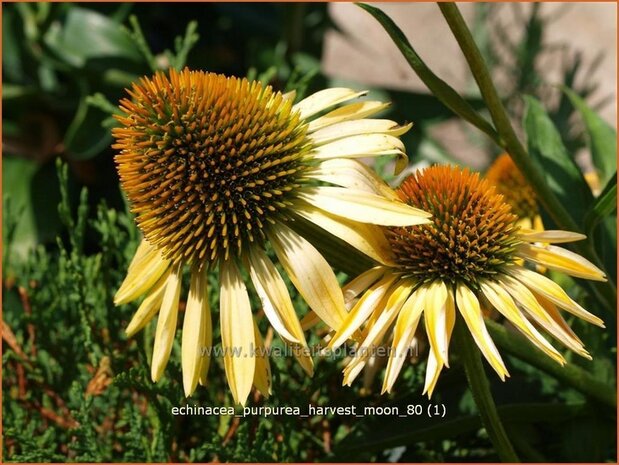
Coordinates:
<point>510,183</point>
<point>207,161</point>
<point>472,234</point>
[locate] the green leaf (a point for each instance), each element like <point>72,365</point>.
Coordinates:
<point>603,206</point>
<point>602,138</point>
<point>87,34</point>
<point>87,136</point>
<point>32,193</point>
<point>443,91</point>
<point>546,148</point>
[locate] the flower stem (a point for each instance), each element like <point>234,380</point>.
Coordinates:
<point>480,388</point>
<point>509,141</point>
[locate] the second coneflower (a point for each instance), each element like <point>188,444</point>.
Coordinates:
<point>472,252</point>
<point>215,168</point>
<point>516,191</point>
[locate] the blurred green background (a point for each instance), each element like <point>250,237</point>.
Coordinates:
<point>75,389</point>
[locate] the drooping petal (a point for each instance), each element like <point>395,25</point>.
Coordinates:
<point>345,172</point>
<point>143,250</point>
<point>310,273</point>
<point>344,129</point>
<point>433,370</point>
<point>262,375</point>
<point>439,317</point>
<point>363,146</point>
<point>193,338</point>
<point>166,324</point>
<point>378,329</point>
<point>351,111</point>
<point>367,238</point>
<point>502,301</point>
<point>363,207</point>
<point>469,308</point>
<point>303,355</point>
<point>149,306</point>
<point>142,274</point>
<point>207,343</point>
<point>237,332</point>
<point>527,300</point>
<point>562,260</point>
<point>553,292</point>
<point>553,312</point>
<point>403,334</point>
<point>550,236</point>
<point>368,303</point>
<point>362,282</point>
<point>310,320</point>
<point>324,99</point>
<point>274,296</point>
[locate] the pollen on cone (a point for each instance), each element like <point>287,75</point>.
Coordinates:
<point>473,229</point>
<point>207,161</point>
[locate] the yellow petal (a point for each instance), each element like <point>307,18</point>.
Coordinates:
<point>192,342</point>
<point>362,146</point>
<point>562,260</point>
<point>367,238</point>
<point>362,282</point>
<point>310,320</point>
<point>274,296</point>
<point>351,372</point>
<point>262,375</point>
<point>440,317</point>
<point>304,357</point>
<point>149,306</point>
<point>433,370</point>
<point>553,292</point>
<point>353,174</point>
<point>550,236</point>
<point>207,343</point>
<point>554,313</point>
<point>363,206</point>
<point>351,111</point>
<point>403,334</point>
<point>324,99</point>
<point>143,250</point>
<point>527,300</point>
<point>377,330</point>
<point>362,310</point>
<point>468,305</point>
<point>356,127</point>
<point>237,332</point>
<point>502,301</point>
<point>310,273</point>
<point>141,276</point>
<point>166,324</point>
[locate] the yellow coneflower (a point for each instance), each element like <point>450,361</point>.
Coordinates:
<point>517,192</point>
<point>473,251</point>
<point>215,168</point>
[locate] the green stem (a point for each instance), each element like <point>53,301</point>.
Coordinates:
<point>509,141</point>
<point>480,388</point>
<point>569,374</point>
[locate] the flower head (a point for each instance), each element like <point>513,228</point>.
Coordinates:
<point>516,191</point>
<point>216,168</point>
<point>473,251</point>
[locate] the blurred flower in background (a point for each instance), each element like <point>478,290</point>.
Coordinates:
<point>516,191</point>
